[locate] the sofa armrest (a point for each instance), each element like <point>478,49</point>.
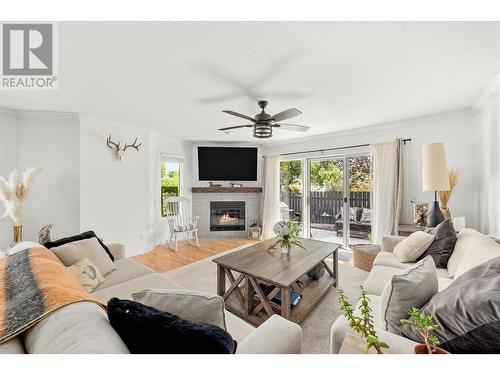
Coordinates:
<point>389,242</point>
<point>397,344</point>
<point>275,336</point>
<point>117,250</point>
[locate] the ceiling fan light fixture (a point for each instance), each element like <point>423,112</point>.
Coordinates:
<point>262,131</point>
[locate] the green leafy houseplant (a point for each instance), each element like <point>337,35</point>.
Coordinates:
<point>424,324</point>
<point>362,324</point>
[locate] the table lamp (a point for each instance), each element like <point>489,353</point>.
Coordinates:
<point>434,178</point>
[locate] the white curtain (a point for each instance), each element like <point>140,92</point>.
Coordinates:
<point>387,186</point>
<point>270,207</point>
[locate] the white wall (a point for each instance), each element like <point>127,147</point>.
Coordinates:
<point>49,141</point>
<point>169,148</point>
<point>487,109</point>
<point>455,129</point>
<point>8,161</point>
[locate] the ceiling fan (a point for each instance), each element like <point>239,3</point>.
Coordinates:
<point>263,123</point>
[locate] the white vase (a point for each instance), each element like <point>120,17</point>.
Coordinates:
<point>285,250</point>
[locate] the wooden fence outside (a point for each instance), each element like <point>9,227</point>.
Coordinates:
<point>325,205</point>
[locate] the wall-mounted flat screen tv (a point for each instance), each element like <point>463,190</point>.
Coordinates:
<point>227,163</point>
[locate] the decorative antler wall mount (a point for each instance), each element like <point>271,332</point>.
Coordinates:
<point>120,151</point>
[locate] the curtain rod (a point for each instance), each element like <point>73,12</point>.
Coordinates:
<point>336,148</point>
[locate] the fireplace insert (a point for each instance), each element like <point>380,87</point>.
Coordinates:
<point>227,216</point>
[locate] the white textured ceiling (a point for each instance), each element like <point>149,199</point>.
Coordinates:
<point>176,78</point>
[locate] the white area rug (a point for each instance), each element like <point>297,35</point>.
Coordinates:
<point>202,275</point>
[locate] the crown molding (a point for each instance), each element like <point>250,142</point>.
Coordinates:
<point>491,91</point>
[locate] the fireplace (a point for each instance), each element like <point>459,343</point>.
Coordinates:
<point>227,216</point>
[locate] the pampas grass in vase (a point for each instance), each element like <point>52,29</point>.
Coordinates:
<point>444,196</point>
<point>13,193</point>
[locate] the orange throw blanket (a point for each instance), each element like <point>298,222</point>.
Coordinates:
<point>33,284</point>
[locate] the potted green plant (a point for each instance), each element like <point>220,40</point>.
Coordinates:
<point>362,324</point>
<point>424,324</point>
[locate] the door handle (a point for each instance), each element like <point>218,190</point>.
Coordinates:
<point>308,200</point>
<point>345,199</point>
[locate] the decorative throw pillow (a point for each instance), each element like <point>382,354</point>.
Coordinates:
<point>72,252</point>
<point>367,215</point>
<point>78,237</point>
<point>443,244</point>
<point>411,287</point>
<point>409,249</point>
<point>467,312</point>
<point>87,273</point>
<point>191,305</point>
<point>146,330</point>
<point>359,213</point>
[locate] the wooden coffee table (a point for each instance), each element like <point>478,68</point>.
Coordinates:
<point>250,268</point>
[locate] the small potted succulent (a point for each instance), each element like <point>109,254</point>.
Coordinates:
<point>287,232</point>
<point>362,324</point>
<point>424,324</point>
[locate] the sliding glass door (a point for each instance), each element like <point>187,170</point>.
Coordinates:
<point>326,192</point>
<point>329,197</point>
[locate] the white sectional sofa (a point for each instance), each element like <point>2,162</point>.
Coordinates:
<point>84,328</point>
<point>471,249</point>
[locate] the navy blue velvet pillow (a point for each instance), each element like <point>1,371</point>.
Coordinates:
<point>146,330</point>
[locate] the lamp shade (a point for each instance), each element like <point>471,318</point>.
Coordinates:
<point>434,168</point>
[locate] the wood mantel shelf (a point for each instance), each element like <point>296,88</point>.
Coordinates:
<point>222,189</point>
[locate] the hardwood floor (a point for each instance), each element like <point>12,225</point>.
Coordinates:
<point>162,258</point>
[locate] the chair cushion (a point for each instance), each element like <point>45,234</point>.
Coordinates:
<point>413,246</point>
<point>184,228</point>
<point>188,304</point>
<point>146,330</point>
<point>444,242</point>
<point>411,287</point>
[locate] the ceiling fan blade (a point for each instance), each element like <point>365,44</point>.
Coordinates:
<point>298,128</point>
<point>236,127</point>
<point>289,113</point>
<point>239,115</point>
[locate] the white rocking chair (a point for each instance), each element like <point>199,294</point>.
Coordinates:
<point>180,222</point>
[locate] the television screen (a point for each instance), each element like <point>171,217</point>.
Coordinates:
<point>227,163</point>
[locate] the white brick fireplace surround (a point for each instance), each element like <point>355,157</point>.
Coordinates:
<point>201,207</point>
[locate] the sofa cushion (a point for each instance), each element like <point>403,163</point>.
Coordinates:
<point>127,288</point>
<point>484,249</point>
<point>188,304</point>
<point>411,287</point>
<point>385,258</point>
<point>468,240</point>
<point>87,273</point>
<point>238,328</point>
<point>72,252</point>
<point>13,346</point>
<point>378,278</point>
<point>442,247</point>
<point>147,330</point>
<point>79,328</point>
<point>125,270</point>
<point>412,246</point>
<point>467,312</point>
<point>79,237</point>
